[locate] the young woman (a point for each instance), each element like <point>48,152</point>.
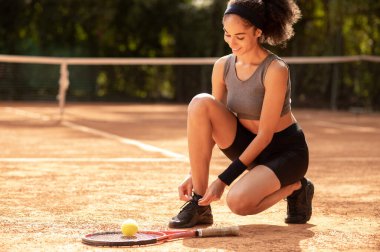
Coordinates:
<point>248,116</point>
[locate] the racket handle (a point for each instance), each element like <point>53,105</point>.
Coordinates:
<point>226,231</point>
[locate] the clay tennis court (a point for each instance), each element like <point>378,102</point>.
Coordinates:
<point>108,162</point>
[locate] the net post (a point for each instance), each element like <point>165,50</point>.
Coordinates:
<point>63,86</point>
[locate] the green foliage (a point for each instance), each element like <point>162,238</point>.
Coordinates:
<point>182,28</point>
<point>334,28</point>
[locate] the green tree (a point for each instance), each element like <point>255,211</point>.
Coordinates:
<point>182,28</point>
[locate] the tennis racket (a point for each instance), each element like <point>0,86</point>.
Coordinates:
<point>154,237</point>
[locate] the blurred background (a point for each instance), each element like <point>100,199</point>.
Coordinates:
<point>183,29</point>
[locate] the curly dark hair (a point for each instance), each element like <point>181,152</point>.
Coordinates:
<point>279,17</point>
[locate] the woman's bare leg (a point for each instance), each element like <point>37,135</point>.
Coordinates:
<point>257,190</point>
<point>208,122</point>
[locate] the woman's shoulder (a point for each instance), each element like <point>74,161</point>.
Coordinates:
<point>276,68</point>
<point>222,60</point>
<point>221,67</point>
<point>276,60</point>
<point>223,64</point>
<point>275,63</point>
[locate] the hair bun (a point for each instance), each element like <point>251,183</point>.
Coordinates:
<point>280,16</point>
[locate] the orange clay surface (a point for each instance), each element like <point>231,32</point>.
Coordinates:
<point>104,163</point>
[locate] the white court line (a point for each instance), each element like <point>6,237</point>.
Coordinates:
<point>128,141</point>
<point>347,159</point>
<point>89,160</point>
<point>347,127</point>
<point>29,114</point>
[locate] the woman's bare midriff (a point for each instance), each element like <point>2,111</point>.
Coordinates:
<point>284,122</point>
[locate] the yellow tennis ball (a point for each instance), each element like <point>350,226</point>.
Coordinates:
<point>129,227</point>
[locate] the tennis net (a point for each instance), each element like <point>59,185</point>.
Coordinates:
<point>334,82</point>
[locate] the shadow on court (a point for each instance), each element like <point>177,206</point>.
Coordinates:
<point>258,238</point>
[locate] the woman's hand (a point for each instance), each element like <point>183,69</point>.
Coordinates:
<point>214,192</point>
<point>185,189</point>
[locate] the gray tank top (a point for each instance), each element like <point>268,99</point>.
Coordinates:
<point>245,98</point>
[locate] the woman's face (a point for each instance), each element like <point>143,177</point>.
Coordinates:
<point>240,37</point>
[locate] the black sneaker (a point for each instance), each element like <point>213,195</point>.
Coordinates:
<point>191,214</point>
<point>299,204</point>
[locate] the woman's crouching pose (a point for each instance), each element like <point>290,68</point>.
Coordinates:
<point>248,116</point>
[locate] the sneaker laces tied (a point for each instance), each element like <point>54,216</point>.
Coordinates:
<point>188,205</point>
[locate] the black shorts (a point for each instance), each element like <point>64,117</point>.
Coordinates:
<point>287,154</point>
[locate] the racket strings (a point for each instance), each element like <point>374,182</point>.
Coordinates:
<point>118,239</point>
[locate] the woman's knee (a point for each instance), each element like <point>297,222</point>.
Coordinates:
<point>240,205</point>
<point>200,103</point>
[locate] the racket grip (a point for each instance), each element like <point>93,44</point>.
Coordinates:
<point>226,231</point>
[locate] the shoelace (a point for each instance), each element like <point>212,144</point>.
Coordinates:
<point>188,205</point>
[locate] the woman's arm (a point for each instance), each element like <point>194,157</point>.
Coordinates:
<point>219,90</point>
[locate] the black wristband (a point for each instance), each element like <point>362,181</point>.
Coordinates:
<point>232,172</point>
